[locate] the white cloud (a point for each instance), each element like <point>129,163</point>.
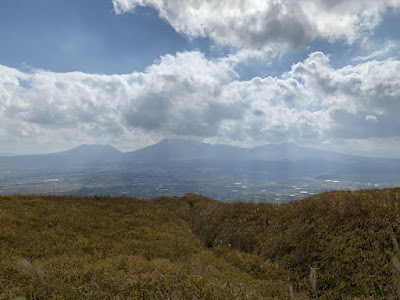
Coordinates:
<point>257,24</point>
<point>188,95</point>
<point>371,118</point>
<point>388,47</point>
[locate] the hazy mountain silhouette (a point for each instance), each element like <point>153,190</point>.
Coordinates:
<point>81,156</point>
<point>283,160</point>
<point>184,150</point>
<point>280,160</point>
<point>91,154</point>
<point>7,154</point>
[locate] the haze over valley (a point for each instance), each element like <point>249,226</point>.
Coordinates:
<point>274,172</point>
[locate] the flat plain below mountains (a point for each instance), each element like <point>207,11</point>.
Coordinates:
<point>274,172</point>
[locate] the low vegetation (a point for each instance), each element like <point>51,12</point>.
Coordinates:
<point>337,245</point>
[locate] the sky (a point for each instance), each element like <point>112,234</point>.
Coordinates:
<point>319,73</point>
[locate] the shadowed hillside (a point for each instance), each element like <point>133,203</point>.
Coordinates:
<point>335,245</point>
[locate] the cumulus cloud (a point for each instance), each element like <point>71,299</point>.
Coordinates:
<point>371,118</point>
<point>189,95</point>
<point>353,93</point>
<point>258,24</point>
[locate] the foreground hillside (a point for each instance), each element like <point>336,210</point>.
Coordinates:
<point>334,245</point>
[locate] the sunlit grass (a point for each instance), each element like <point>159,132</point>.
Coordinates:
<point>333,245</point>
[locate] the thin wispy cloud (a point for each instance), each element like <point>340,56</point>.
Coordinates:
<point>388,47</point>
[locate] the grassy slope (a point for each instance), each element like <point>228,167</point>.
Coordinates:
<point>198,248</point>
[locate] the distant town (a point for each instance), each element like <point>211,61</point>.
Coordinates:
<point>273,173</point>
<point>149,183</point>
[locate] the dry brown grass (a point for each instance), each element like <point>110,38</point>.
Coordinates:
<point>348,237</point>
<point>198,248</point>
<point>114,248</point>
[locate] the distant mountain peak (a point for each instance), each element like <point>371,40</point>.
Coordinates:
<point>176,140</point>
<point>91,153</point>
<point>104,147</point>
<point>289,144</point>
<point>95,146</point>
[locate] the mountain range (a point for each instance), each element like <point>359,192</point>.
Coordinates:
<point>169,153</point>
<point>176,166</point>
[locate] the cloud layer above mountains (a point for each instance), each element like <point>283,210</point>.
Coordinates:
<point>257,24</point>
<point>192,96</point>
